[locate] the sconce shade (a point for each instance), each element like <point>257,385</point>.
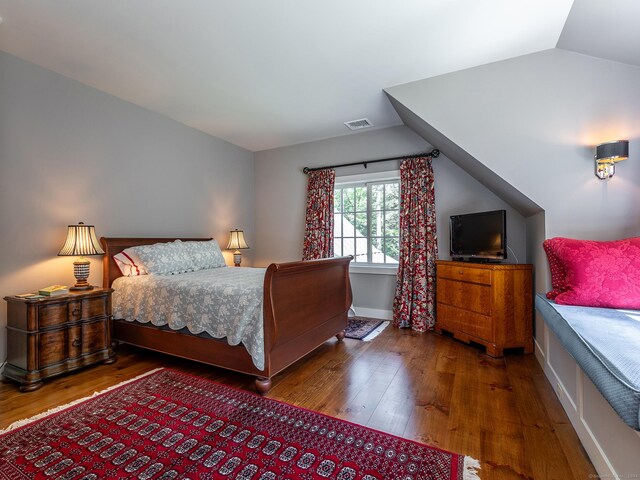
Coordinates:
<point>612,151</point>
<point>81,240</point>
<point>236,240</point>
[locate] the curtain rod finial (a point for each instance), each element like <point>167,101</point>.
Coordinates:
<point>435,153</point>
<point>305,170</point>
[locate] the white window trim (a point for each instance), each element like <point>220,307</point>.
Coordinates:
<point>373,268</point>
<point>368,177</point>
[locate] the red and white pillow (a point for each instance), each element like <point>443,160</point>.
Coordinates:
<point>594,273</point>
<point>129,263</point>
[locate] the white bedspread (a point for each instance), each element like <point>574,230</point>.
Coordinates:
<point>224,302</point>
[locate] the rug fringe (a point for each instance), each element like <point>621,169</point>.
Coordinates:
<point>26,421</point>
<point>377,331</point>
<point>471,467</point>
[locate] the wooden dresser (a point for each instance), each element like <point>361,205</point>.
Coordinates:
<point>55,335</point>
<point>490,304</point>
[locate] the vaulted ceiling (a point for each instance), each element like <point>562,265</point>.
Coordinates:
<point>273,73</point>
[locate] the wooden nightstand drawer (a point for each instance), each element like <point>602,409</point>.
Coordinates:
<point>53,314</point>
<point>465,274</point>
<point>94,307</point>
<point>56,335</point>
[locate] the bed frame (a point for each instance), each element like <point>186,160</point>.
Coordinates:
<point>305,304</point>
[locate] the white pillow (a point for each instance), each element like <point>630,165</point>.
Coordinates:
<point>165,258</point>
<point>129,263</point>
<point>205,255</point>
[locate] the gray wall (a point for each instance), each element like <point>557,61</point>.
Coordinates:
<point>534,121</point>
<point>70,153</point>
<point>280,189</point>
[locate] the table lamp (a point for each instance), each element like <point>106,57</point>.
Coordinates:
<point>237,243</point>
<point>81,241</point>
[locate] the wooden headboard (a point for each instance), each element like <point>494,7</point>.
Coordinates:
<point>113,246</point>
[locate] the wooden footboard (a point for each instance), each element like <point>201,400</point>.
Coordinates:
<point>305,304</point>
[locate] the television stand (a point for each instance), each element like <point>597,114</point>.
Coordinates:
<point>490,304</point>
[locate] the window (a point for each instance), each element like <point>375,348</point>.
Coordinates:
<point>366,221</point>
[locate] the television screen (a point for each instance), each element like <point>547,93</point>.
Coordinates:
<point>480,235</point>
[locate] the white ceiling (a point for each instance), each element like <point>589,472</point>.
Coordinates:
<point>265,74</point>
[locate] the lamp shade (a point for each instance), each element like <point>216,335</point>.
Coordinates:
<point>612,151</point>
<point>81,240</point>
<point>236,240</point>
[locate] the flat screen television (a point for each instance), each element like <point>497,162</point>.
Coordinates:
<point>479,236</point>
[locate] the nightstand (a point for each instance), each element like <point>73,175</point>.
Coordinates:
<point>56,335</point>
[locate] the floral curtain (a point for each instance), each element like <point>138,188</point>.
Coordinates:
<point>318,234</point>
<point>414,302</point>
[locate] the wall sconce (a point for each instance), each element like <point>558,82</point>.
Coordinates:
<point>237,243</point>
<point>607,154</point>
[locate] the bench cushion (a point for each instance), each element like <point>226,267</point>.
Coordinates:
<point>606,344</point>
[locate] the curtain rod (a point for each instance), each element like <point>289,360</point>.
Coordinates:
<point>433,153</point>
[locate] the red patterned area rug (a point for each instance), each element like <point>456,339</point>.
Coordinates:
<point>169,425</point>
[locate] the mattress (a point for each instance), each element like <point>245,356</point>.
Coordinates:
<point>223,302</point>
<point>604,342</point>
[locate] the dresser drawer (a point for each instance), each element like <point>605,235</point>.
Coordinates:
<point>467,296</point>
<point>465,274</point>
<point>455,319</point>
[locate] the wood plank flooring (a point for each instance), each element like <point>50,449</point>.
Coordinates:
<point>426,387</point>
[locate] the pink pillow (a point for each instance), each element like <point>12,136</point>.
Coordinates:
<point>599,274</point>
<point>558,284</point>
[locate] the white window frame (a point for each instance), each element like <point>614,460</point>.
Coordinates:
<point>365,179</point>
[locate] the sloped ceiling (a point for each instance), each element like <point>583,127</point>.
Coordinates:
<point>605,29</point>
<point>271,73</point>
<point>526,128</point>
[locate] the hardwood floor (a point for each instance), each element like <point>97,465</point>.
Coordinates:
<point>425,387</point>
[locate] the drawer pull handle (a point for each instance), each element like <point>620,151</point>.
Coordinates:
<point>75,312</point>
<point>76,342</point>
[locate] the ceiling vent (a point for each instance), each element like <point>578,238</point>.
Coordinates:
<point>358,124</point>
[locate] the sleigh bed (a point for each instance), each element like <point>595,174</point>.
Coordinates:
<point>304,304</point>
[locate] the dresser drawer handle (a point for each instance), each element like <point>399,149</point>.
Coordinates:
<point>76,342</point>
<point>75,312</point>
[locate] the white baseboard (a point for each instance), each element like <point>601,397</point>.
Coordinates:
<point>373,313</point>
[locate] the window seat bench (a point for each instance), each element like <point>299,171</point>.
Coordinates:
<point>605,343</point>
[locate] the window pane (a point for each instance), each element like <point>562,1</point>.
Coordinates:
<point>337,247</point>
<point>361,250</point>
<point>347,225</point>
<point>348,246</point>
<point>361,225</point>
<point>377,224</point>
<point>337,225</point>
<point>391,227</point>
<point>392,195</point>
<point>391,250</point>
<point>377,195</point>
<point>348,199</point>
<point>377,255</point>
<point>361,199</point>
<point>337,200</point>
